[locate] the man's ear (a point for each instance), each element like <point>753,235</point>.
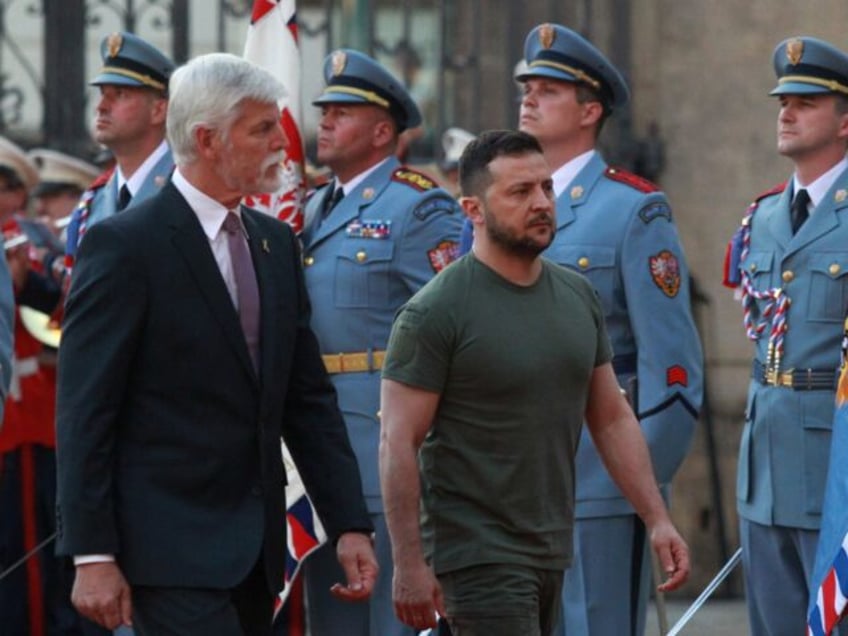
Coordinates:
<point>383,132</point>
<point>207,141</point>
<point>592,113</point>
<point>473,208</point>
<point>158,111</point>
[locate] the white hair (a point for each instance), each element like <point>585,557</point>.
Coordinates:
<point>207,91</point>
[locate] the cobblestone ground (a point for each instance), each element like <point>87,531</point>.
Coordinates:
<point>715,618</point>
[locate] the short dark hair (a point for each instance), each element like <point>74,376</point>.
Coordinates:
<point>474,175</point>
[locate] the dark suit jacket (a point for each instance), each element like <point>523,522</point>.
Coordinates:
<point>168,443</point>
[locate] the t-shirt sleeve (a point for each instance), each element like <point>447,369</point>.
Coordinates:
<point>603,351</point>
<point>418,353</point>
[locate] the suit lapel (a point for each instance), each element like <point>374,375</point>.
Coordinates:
<point>193,246</point>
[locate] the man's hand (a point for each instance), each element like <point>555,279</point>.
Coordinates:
<point>673,554</point>
<point>417,596</point>
<point>356,556</point>
<point>101,594</point>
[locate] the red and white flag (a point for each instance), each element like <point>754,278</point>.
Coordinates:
<point>272,44</point>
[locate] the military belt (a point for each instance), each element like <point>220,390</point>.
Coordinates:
<point>354,362</point>
<point>796,379</point>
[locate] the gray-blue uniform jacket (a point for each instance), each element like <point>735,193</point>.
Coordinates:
<point>103,202</point>
<point>381,243</point>
<point>616,229</point>
<point>784,451</point>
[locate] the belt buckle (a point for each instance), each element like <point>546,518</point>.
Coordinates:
<point>780,378</point>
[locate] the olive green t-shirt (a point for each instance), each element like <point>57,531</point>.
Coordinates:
<point>512,365</point>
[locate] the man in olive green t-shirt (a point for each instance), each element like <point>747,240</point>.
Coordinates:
<point>490,371</point>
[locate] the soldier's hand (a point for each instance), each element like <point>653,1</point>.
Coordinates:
<point>102,594</point>
<point>673,554</point>
<point>355,552</point>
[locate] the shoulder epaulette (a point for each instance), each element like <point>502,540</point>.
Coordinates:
<point>414,179</point>
<point>633,180</point>
<point>780,187</point>
<point>102,179</point>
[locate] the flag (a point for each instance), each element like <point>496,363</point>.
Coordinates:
<point>829,587</point>
<point>272,44</point>
<point>304,531</point>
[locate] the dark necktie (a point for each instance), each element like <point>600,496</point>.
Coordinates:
<point>124,197</point>
<point>332,201</point>
<point>247,289</point>
<point>798,211</point>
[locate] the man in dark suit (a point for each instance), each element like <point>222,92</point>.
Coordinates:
<point>178,375</point>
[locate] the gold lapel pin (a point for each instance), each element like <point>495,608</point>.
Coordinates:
<point>576,192</point>
<point>840,195</point>
<point>368,194</point>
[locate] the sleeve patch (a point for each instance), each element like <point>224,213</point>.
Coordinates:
<point>676,374</point>
<point>633,180</point>
<point>665,272</point>
<point>414,179</point>
<point>438,204</point>
<point>443,255</point>
<point>658,210</point>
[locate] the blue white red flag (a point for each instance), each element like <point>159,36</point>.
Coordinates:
<point>304,530</point>
<point>829,587</point>
<point>272,44</point>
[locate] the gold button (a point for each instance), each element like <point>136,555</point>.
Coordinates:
<point>583,262</point>
<point>753,267</point>
<point>361,256</point>
<point>788,276</point>
<point>308,260</point>
<point>834,269</point>
<point>379,414</point>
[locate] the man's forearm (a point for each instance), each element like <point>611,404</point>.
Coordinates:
<point>401,487</point>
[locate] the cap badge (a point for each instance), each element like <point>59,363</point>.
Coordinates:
<point>546,35</point>
<point>338,61</point>
<point>794,50</point>
<point>114,43</point>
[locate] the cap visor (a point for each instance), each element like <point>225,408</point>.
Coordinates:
<point>114,78</point>
<point>799,88</point>
<point>331,97</point>
<point>545,71</point>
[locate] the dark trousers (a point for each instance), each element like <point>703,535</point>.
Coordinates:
<point>245,609</point>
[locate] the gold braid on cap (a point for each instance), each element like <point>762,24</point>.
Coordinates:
<point>144,79</point>
<point>369,96</point>
<point>580,75</point>
<point>831,85</point>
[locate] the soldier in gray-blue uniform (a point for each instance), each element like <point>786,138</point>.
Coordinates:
<point>790,261</point>
<point>130,121</point>
<point>364,256</point>
<point>617,230</point>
